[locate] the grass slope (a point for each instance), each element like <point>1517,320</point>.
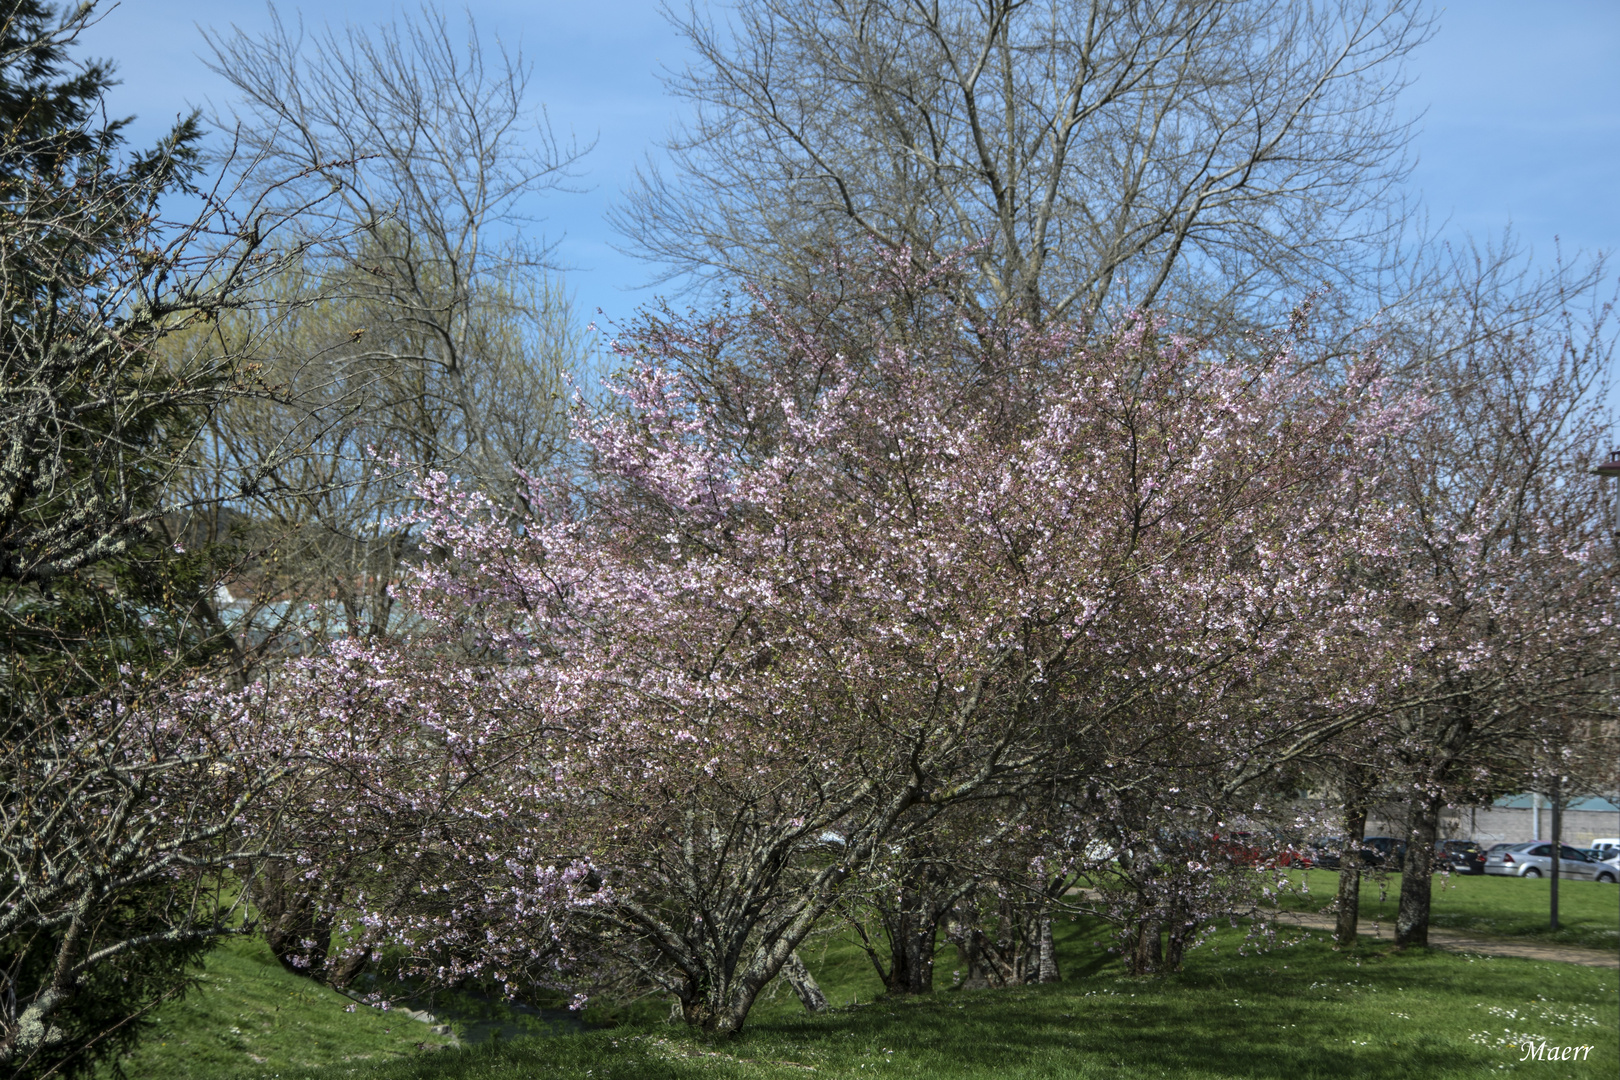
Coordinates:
<point>1588,913</point>
<point>1295,1013</point>
<point>250,1017</point>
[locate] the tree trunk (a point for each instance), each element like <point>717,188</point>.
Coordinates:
<point>1176,945</point>
<point>911,928</point>
<point>911,916</point>
<point>346,970</point>
<point>1013,947</point>
<point>1147,954</point>
<point>906,965</point>
<point>964,932</point>
<point>1412,920</point>
<point>718,991</point>
<point>1048,966</point>
<point>1355,831</point>
<point>718,1017</point>
<point>918,946</point>
<point>804,984</point>
<point>1557,840</point>
<point>298,937</point>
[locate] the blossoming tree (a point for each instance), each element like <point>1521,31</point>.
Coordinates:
<point>669,718</point>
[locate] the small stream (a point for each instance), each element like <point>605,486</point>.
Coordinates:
<point>478,1018</point>
<point>496,1019</point>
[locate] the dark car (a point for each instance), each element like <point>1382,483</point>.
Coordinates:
<point>1386,851</point>
<point>1462,856</point>
<point>1324,852</point>
<point>1327,853</point>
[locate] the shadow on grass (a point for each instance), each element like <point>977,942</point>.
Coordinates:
<point>1202,1024</point>
<point>1298,1013</point>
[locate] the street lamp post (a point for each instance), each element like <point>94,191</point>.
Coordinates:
<point>1610,469</point>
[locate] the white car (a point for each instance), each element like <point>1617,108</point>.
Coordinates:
<point>1534,860</point>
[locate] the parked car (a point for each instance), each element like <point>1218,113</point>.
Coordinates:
<point>1241,847</point>
<point>1462,856</point>
<point>1299,856</point>
<point>1534,860</point>
<point>1608,870</point>
<point>1327,853</point>
<point>1259,849</point>
<point>1324,851</point>
<point>1608,845</point>
<point>1385,851</point>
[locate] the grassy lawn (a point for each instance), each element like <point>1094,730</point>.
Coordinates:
<point>250,1017</point>
<point>1588,913</point>
<point>1295,1013</point>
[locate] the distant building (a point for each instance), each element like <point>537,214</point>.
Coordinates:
<point>1513,819</point>
<point>1519,818</point>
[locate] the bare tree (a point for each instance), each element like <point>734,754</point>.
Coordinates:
<point>428,327</point>
<point>1111,151</point>
<point>1507,586</point>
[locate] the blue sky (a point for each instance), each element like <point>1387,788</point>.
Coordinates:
<point>1521,105</point>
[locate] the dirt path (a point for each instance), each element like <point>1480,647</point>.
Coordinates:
<point>1458,941</point>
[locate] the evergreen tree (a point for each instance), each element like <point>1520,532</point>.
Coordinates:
<point>96,598</point>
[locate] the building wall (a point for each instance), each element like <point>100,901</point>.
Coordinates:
<point>1504,824</point>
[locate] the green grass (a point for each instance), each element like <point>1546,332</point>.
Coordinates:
<point>250,1017</point>
<point>1295,1013</point>
<point>1503,907</point>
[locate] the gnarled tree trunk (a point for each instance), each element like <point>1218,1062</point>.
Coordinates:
<point>804,984</point>
<point>1147,953</point>
<point>298,935</point>
<point>1412,919</point>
